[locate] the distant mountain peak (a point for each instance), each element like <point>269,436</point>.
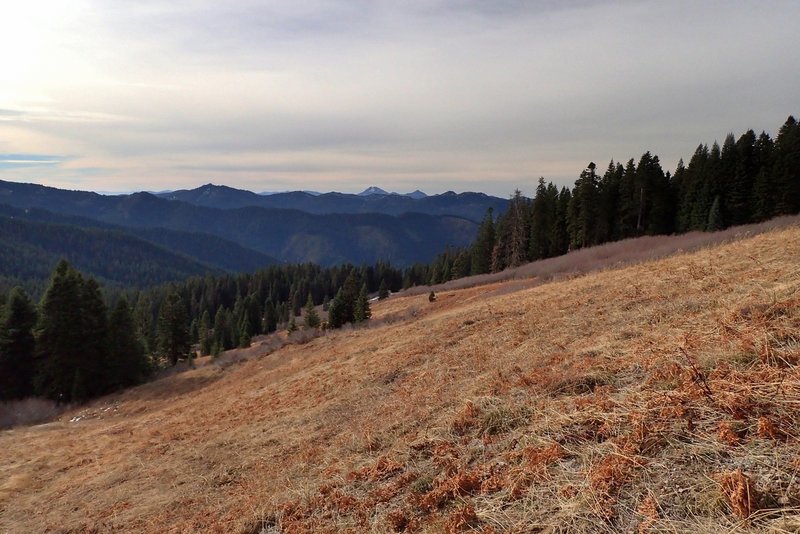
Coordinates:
<point>372,190</point>
<point>416,195</point>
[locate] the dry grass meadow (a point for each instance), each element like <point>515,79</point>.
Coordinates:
<point>657,397</point>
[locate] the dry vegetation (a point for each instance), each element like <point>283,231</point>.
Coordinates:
<point>657,397</point>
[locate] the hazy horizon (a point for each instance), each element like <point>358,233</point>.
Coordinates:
<point>341,95</point>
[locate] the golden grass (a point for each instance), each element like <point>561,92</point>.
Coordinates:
<point>656,397</point>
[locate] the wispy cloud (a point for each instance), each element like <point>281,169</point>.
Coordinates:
<point>14,161</point>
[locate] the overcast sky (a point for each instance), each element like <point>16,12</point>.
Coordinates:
<point>125,95</point>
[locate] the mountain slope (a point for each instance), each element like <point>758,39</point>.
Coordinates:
<point>660,396</point>
<point>210,250</point>
<point>29,251</point>
<point>288,235</point>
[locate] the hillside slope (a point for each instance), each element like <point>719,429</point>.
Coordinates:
<point>29,250</point>
<point>656,397</point>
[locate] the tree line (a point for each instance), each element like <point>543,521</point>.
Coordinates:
<point>749,179</point>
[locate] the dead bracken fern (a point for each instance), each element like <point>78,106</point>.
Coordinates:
<point>740,493</point>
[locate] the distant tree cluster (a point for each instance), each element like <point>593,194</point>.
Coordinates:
<point>69,348</point>
<point>747,180</point>
<point>218,313</point>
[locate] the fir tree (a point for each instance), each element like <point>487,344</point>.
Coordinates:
<point>362,311</point>
<point>311,316</point>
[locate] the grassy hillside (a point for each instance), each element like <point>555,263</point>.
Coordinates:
<point>656,397</point>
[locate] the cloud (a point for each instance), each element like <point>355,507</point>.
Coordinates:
<point>15,161</point>
<point>428,94</point>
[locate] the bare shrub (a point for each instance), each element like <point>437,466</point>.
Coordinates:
<point>28,412</point>
<point>301,337</point>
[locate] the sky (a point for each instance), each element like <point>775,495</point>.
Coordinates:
<point>338,95</point>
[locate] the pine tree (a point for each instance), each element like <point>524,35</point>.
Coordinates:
<point>292,328</point>
<point>362,311</point>
<point>173,329</point>
<point>17,346</point>
<point>311,316</point>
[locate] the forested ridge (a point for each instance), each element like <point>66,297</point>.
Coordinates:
<point>749,179</point>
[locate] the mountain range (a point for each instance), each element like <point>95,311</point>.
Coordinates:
<point>470,206</point>
<point>218,228</point>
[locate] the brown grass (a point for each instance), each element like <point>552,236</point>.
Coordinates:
<point>656,397</point>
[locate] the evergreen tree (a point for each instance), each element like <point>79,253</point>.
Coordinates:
<point>94,327</point>
<point>127,363</point>
<point>173,328</point>
<point>786,168</point>
<point>292,328</point>
<point>311,316</point>
<point>584,209</point>
<point>383,291</point>
<point>519,225</point>
<point>223,338</point>
<point>628,202</point>
<point>17,346</point>
<point>738,196</point>
<point>764,189</point>
<point>205,334</point>
<point>336,316</point>
<point>484,244</point>
<point>715,221</point>
<point>60,337</point>
<point>544,213</point>
<point>342,309</point>
<point>143,318</point>
<point>362,311</point>
<point>559,243</point>
<point>608,192</point>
